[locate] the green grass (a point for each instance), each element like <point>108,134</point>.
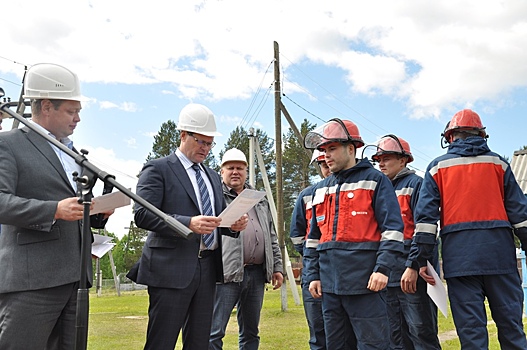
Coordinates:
<point>120,323</point>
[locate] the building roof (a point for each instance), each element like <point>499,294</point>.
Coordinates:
<point>519,168</point>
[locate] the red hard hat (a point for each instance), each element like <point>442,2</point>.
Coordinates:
<point>391,144</point>
<point>335,130</point>
<point>465,119</point>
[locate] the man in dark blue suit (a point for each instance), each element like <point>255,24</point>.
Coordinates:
<point>181,274</point>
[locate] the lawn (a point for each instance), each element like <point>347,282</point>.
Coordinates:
<point>120,323</point>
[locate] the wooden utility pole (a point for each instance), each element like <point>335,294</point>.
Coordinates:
<point>278,148</point>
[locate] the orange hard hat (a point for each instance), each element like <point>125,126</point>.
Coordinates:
<point>465,119</point>
<point>335,130</point>
<point>391,144</point>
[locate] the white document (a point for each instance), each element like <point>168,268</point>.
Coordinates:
<point>110,201</point>
<point>239,206</point>
<point>101,245</point>
<point>437,292</point>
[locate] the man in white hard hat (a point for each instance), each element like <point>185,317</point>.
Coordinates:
<point>40,244</point>
<point>249,262</point>
<point>181,274</point>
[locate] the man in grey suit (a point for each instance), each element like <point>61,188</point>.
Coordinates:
<point>181,273</point>
<point>39,212</point>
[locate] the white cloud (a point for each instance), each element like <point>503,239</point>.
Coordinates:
<point>123,106</point>
<point>131,142</point>
<point>107,105</point>
<point>432,55</point>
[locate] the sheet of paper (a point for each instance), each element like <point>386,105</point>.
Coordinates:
<point>437,292</point>
<point>101,245</point>
<point>239,206</point>
<point>110,201</point>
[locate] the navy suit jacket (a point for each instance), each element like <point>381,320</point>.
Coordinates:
<point>168,260</point>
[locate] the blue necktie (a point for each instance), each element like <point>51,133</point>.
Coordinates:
<point>208,239</point>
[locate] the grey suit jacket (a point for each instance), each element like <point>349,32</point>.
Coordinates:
<point>35,252</point>
<point>169,261</point>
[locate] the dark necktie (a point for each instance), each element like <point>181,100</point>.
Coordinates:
<point>208,239</point>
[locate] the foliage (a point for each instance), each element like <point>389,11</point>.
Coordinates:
<point>165,141</point>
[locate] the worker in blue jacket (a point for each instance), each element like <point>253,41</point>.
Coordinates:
<point>473,193</point>
<point>300,221</point>
<point>355,236</point>
<point>413,316</point>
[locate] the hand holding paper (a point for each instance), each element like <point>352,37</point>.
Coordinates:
<point>437,292</point>
<point>239,206</point>
<point>110,201</point>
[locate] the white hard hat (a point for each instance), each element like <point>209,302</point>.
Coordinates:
<point>318,156</point>
<point>233,155</point>
<point>197,118</point>
<point>51,81</point>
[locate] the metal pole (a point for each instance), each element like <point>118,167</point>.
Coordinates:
<point>99,275</point>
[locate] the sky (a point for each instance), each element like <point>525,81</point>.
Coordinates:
<point>392,67</point>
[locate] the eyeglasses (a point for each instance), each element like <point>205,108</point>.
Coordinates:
<point>202,142</point>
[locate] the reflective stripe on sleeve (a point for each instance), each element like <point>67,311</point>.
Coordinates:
<point>298,240</point>
<point>312,243</point>
<point>426,228</point>
<point>520,224</point>
<point>392,235</point>
<point>407,191</point>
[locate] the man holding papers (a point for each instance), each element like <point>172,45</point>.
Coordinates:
<point>248,262</point>
<point>181,274</point>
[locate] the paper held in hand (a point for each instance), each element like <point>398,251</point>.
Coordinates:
<point>239,206</point>
<point>437,292</point>
<point>109,201</point>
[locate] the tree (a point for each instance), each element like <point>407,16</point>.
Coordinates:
<point>239,139</point>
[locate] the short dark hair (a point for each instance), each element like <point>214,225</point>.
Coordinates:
<point>36,105</point>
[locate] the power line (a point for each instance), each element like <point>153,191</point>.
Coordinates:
<point>246,119</point>
<point>9,81</point>
<point>425,156</point>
